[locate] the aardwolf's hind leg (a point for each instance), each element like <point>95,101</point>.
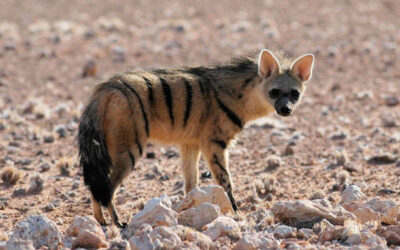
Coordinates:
<point>98,212</point>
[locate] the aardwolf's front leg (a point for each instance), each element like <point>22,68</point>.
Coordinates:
<point>218,161</point>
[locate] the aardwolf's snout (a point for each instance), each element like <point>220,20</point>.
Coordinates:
<point>283,106</point>
<point>284,111</point>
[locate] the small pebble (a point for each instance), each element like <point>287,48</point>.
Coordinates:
<point>164,177</point>
<point>385,191</point>
<point>156,170</point>
<point>389,122</point>
<point>19,191</point>
<point>269,197</point>
<point>382,159</point>
<point>339,136</point>
<point>62,132</point>
<point>14,144</point>
<point>273,162</point>
<point>150,176</point>
<point>48,139</point>
<point>336,187</point>
<point>90,69</point>
<point>44,167</point>
<point>171,154</point>
<point>289,150</point>
<point>75,185</point>
<point>352,167</point>
<point>391,101</point>
<point>206,175</point>
<point>150,155</point>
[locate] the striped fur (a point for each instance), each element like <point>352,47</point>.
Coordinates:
<point>201,109</point>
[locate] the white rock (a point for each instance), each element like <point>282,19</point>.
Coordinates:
<point>166,237</point>
<point>63,26</point>
<point>88,239</point>
<point>372,240</point>
<point>283,232</point>
<point>198,239</point>
<point>325,224</point>
<point>199,216</point>
<point>19,244</point>
<point>305,233</point>
<point>156,212</point>
<point>363,213</point>
<point>352,193</point>
<point>385,211</point>
<point>222,226</point>
<point>118,243</point>
<point>354,239</point>
<point>109,24</point>
<point>268,122</point>
<point>212,194</point>
<point>82,223</point>
<point>253,241</point>
<point>111,232</point>
<point>39,27</point>
<point>273,162</point>
<point>87,231</point>
<point>141,242</point>
<point>305,212</point>
<point>40,230</point>
<point>391,234</point>
<point>388,210</point>
<point>331,233</point>
<point>351,234</point>
<point>68,241</point>
<point>323,202</point>
<point>143,229</point>
<point>161,237</point>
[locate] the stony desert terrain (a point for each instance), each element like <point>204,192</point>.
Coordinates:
<point>326,177</point>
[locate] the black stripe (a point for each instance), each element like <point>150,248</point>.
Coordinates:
<point>141,106</point>
<point>218,163</point>
<point>132,158</point>
<point>117,86</point>
<point>204,79</point>
<point>221,143</point>
<point>202,90</point>
<point>168,98</point>
<point>246,82</point>
<point>160,71</point>
<point>150,89</point>
<point>189,96</point>
<point>234,118</point>
<point>138,143</point>
<point>231,198</point>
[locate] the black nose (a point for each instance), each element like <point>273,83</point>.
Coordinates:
<point>285,111</point>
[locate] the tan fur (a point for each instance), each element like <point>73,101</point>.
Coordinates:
<point>200,109</point>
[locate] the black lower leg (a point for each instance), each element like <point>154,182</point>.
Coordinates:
<point>233,201</point>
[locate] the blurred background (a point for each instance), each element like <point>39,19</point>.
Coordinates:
<point>52,53</point>
<point>50,42</point>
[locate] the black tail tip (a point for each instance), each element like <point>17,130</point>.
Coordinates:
<point>100,189</point>
<point>101,196</point>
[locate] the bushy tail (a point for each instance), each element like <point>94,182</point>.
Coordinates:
<point>93,154</point>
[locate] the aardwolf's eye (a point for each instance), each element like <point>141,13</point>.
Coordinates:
<point>274,93</point>
<point>294,94</point>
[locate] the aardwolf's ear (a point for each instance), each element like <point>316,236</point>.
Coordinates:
<point>267,64</point>
<point>302,67</point>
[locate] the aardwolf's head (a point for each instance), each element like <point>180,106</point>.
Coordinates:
<point>283,86</point>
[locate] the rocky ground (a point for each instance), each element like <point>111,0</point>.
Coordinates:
<point>326,177</point>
